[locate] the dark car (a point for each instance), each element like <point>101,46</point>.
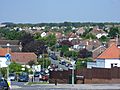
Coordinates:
<point>4,84</point>
<point>62,62</point>
<point>36,74</point>
<point>23,78</point>
<point>53,56</point>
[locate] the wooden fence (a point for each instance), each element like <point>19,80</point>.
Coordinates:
<point>94,75</point>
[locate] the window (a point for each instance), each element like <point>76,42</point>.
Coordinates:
<point>114,65</point>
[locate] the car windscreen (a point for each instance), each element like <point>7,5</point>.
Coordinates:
<point>11,74</point>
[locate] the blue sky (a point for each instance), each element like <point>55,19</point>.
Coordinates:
<point>37,11</point>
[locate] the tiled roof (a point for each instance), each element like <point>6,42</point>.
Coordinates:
<point>97,31</point>
<point>113,52</point>
<point>81,30</point>
<point>11,42</point>
<point>58,35</point>
<point>23,57</point>
<point>71,35</point>
<point>3,51</point>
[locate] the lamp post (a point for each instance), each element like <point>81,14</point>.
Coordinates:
<point>33,68</point>
<point>8,45</point>
<point>73,64</point>
<point>43,60</point>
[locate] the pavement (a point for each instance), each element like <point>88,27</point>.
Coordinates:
<point>68,87</point>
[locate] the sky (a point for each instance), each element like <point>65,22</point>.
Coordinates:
<point>55,11</point>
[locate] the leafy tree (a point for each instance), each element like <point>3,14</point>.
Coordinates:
<point>68,29</point>
<point>3,71</point>
<point>63,49</point>
<point>37,47</point>
<point>73,54</point>
<point>26,39</point>
<point>84,53</point>
<point>31,45</point>
<point>37,36</point>
<point>31,63</point>
<point>90,36</point>
<point>15,67</point>
<point>82,63</point>
<point>11,34</point>
<point>44,61</point>
<point>51,40</point>
<point>114,31</point>
<point>103,39</point>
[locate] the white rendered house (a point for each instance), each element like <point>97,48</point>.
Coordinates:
<point>109,58</point>
<point>3,62</point>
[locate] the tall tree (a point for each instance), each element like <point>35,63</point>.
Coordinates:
<point>84,53</point>
<point>114,31</point>
<point>51,40</point>
<point>15,67</point>
<point>103,39</point>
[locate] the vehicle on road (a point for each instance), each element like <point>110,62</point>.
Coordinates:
<point>36,74</point>
<point>53,56</point>
<point>62,62</point>
<point>4,84</point>
<point>70,66</point>
<point>23,78</point>
<point>12,76</point>
<point>43,78</point>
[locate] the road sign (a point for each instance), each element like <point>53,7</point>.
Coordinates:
<point>8,56</point>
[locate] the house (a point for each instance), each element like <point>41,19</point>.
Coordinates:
<point>109,58</point>
<point>43,34</point>
<point>3,52</point>
<point>15,45</point>
<point>72,36</point>
<point>80,31</point>
<point>58,35</point>
<point>98,32</point>
<point>90,45</point>
<point>65,42</point>
<point>97,51</point>
<point>23,57</point>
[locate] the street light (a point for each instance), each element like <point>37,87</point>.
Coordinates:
<point>73,64</point>
<point>8,61</point>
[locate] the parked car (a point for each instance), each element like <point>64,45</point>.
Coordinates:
<point>62,62</point>
<point>43,78</point>
<point>23,78</point>
<point>4,84</point>
<point>12,76</point>
<point>53,56</point>
<point>70,66</point>
<point>36,74</point>
<point>67,64</point>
